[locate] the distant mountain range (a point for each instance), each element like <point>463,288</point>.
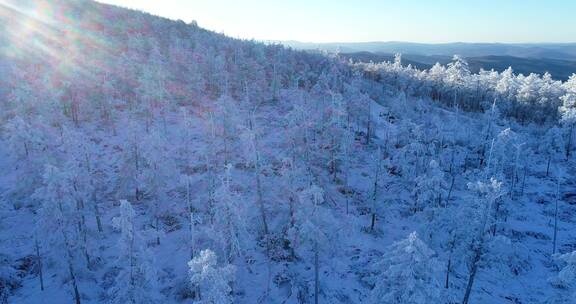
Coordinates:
<point>565,51</point>
<point>559,59</point>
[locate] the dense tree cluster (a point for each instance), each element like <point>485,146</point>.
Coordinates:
<point>531,98</point>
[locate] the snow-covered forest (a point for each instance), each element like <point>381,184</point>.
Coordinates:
<point>146,160</point>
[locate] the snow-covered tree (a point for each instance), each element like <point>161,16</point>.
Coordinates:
<point>437,74</point>
<point>506,257</point>
<point>136,281</point>
<point>335,130</point>
<point>227,119</point>
<point>407,274</point>
<point>507,87</point>
<point>9,279</point>
<point>268,139</point>
<point>157,175</point>
<point>457,75</point>
<point>552,146</point>
<point>28,146</point>
<point>254,157</point>
<point>430,190</point>
<point>212,282</point>
<point>568,110</point>
<point>229,217</point>
<point>565,280</point>
<point>24,138</point>
<point>152,88</point>
<point>308,231</point>
<point>131,163</point>
<point>58,218</point>
<point>488,193</point>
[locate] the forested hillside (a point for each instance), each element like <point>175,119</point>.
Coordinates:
<point>147,160</point>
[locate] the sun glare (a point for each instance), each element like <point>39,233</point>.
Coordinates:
<point>41,30</point>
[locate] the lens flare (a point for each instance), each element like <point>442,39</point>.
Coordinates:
<point>57,35</point>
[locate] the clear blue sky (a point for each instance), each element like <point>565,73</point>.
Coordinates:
<point>376,20</point>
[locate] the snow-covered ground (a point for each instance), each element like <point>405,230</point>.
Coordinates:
<point>350,252</point>
<point>177,165</point>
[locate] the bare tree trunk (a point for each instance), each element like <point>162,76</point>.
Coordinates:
<point>524,181</point>
<point>98,217</point>
<point>375,192</point>
<point>157,231</point>
<point>137,167</point>
<point>569,145</point>
<point>132,264</point>
<point>347,183</point>
<point>448,269</point>
<point>82,229</point>
<point>211,193</point>
<point>85,245</point>
<point>26,150</point>
<point>515,174</point>
<point>157,217</point>
<point>74,283</point>
<point>191,219</point>
<point>69,255</point>
<point>333,159</point>
<point>316,274</point>
<point>292,208</point>
<point>369,126</point>
<point>226,152</point>
<point>40,266</point>
<point>495,223</point>
<point>450,191</point>
<point>71,270</point>
<point>261,200</point>
<point>479,248</point>
<point>556,217</point>
<point>259,183</point>
<point>472,276</point>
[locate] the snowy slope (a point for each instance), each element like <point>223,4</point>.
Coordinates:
<point>304,174</point>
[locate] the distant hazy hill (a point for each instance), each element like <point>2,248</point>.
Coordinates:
<point>564,51</point>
